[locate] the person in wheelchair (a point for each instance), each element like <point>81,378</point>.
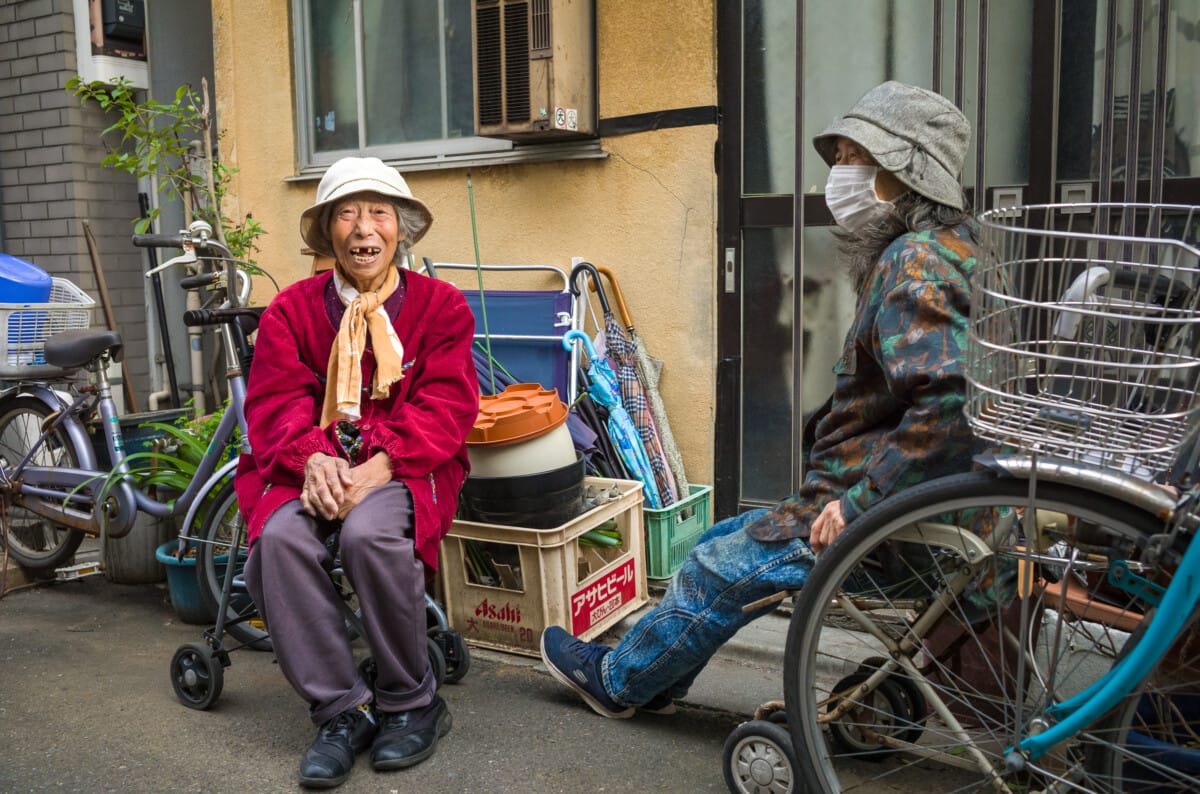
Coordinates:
<point>359,402</point>
<point>895,418</point>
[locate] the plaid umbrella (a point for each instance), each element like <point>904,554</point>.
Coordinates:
<point>605,391</point>
<point>622,353</point>
<point>648,371</point>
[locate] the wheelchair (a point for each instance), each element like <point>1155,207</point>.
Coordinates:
<point>198,668</point>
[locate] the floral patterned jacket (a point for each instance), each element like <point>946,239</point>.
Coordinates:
<point>896,414</point>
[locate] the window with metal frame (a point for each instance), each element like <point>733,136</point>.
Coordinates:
<point>394,80</point>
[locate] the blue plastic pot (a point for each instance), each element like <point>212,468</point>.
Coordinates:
<point>181,585</point>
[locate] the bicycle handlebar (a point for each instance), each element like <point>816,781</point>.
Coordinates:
<point>158,240</point>
<point>201,280</point>
<point>199,317</point>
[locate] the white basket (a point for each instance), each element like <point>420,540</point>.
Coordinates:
<point>24,328</point>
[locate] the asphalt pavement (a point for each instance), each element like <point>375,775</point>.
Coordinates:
<point>86,706</point>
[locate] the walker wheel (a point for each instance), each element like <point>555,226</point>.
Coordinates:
<point>196,676</point>
<point>454,649</point>
<point>437,661</point>
<point>758,759</point>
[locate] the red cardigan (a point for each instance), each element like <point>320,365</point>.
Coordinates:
<point>422,425</point>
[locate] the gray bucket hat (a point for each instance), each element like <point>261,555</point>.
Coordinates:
<point>918,135</point>
<point>358,175</point>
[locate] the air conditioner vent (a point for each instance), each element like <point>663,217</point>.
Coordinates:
<point>535,69</point>
<point>516,62</point>
<point>539,29</point>
<point>488,88</point>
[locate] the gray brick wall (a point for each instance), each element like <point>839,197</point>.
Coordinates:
<point>50,174</point>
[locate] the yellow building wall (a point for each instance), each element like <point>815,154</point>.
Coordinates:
<point>647,211</point>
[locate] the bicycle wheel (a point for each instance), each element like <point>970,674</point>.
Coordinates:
<point>222,522</point>
<point>1151,741</point>
<point>33,541</point>
<point>985,632</point>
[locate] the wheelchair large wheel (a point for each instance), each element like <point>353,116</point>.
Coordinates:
<point>912,585</point>
<point>758,759</point>
<point>196,676</point>
<point>221,530</point>
<point>35,542</point>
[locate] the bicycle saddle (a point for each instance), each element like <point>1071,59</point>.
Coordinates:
<point>73,349</point>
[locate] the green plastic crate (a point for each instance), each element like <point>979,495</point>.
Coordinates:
<point>672,531</point>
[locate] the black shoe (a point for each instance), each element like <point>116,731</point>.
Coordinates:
<point>328,761</point>
<point>409,737</point>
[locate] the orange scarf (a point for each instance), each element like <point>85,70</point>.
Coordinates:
<point>365,318</point>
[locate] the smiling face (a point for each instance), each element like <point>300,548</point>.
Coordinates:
<point>887,186</point>
<point>365,232</point>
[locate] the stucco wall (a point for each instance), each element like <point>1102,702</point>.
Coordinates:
<point>647,211</point>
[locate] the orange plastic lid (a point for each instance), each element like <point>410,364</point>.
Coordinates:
<point>520,412</point>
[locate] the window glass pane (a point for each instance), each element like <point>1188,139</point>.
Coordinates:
<point>882,43</point>
<point>767,403</point>
<point>1009,94</point>
<point>827,307</point>
<point>1082,112</point>
<point>1183,90</point>
<point>334,118</point>
<point>769,85</point>
<point>418,70</point>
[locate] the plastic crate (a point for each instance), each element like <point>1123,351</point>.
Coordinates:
<point>672,531</point>
<point>548,578</point>
<point>24,328</point>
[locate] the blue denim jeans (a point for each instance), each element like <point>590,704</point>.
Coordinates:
<point>702,608</point>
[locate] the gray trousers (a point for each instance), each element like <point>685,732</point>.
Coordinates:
<point>287,574</point>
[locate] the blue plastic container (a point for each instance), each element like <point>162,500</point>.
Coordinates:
<point>22,282</point>
<point>182,586</point>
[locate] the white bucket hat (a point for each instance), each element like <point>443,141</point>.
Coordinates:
<point>918,135</point>
<point>358,175</point>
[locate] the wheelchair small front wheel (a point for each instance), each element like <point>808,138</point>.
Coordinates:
<point>758,758</point>
<point>196,676</point>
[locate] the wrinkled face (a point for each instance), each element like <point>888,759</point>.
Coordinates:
<point>365,231</point>
<point>887,186</point>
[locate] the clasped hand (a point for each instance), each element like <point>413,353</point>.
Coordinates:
<point>332,487</point>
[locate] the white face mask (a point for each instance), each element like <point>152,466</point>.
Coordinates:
<point>850,195</point>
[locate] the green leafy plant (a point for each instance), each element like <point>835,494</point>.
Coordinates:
<point>149,138</point>
<point>174,465</point>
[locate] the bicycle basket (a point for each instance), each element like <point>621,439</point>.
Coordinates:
<point>1084,338</point>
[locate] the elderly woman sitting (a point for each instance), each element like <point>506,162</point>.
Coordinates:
<point>360,398</point>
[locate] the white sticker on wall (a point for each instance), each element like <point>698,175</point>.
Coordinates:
<point>566,119</point>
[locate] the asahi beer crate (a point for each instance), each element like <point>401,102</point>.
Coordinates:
<point>503,584</point>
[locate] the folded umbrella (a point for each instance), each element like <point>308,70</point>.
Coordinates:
<point>621,353</point>
<point>604,389</point>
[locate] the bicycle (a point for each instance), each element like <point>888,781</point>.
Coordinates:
<point>1032,625</point>
<point>53,492</point>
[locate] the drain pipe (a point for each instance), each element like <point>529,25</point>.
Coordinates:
<point>196,348</point>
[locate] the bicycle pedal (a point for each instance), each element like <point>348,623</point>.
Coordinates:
<point>77,571</point>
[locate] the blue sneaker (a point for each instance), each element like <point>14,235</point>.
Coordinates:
<point>577,664</point>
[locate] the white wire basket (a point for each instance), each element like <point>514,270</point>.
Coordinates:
<point>1084,338</point>
<point>24,328</point>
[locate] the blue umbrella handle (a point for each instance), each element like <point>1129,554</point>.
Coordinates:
<point>570,336</point>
